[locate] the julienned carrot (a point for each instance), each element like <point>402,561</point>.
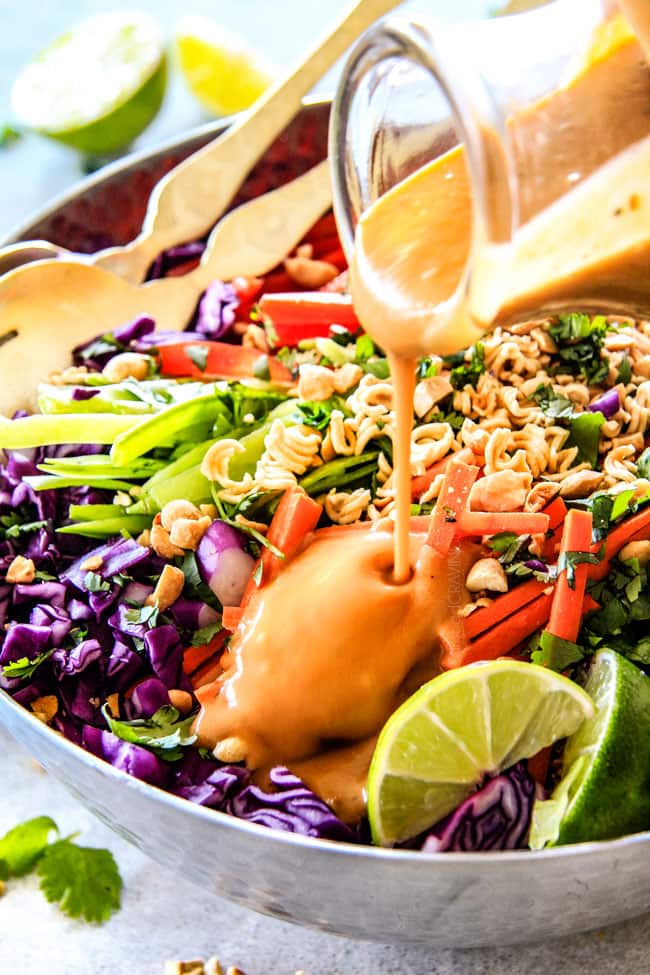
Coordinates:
<point>205,360</point>
<point>231,615</point>
<point>499,640</point>
<point>295,517</point>
<point>195,656</point>
<point>420,483</point>
<point>492,523</point>
<point>632,529</point>
<point>207,672</point>
<point>503,606</point>
<point>566,611</point>
<point>452,500</point>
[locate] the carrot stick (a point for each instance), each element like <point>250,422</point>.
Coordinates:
<point>195,656</point>
<point>503,606</point>
<point>556,512</point>
<point>420,483</point>
<point>295,517</point>
<point>491,523</point>
<point>499,640</point>
<point>231,615</point>
<point>207,672</point>
<point>566,611</point>
<point>452,500</point>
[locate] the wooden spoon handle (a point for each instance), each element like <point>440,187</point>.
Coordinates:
<point>187,202</point>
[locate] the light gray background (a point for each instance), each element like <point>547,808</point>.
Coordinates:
<point>164,917</point>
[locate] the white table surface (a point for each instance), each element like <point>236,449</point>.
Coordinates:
<point>163,916</point>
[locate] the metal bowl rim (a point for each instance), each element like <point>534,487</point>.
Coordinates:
<point>504,857</point>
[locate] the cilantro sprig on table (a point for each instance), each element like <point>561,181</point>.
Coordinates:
<point>84,881</point>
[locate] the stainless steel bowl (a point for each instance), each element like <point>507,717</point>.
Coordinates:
<point>451,899</point>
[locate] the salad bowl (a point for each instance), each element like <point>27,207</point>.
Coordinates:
<point>451,899</point>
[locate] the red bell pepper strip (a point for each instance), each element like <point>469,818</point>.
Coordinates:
<point>222,360</point>
<point>305,315</point>
<point>452,500</point>
<point>566,611</point>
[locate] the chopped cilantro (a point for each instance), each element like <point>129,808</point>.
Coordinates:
<point>21,847</point>
<point>555,653</point>
<point>643,464</point>
<point>579,339</point>
<point>601,513</point>
<point>165,733</point>
<point>568,561</point>
<point>585,435</point>
<point>364,348</point>
<point>205,634</point>
<point>341,335</point>
<point>317,414</point>
<point>198,354</point>
<point>93,582</point>
<point>465,373</point>
<point>427,368</point>
<point>24,529</point>
<point>554,405</point>
<point>143,614</point>
<point>25,668</point>
<point>502,541</point>
<point>84,881</point>
<point>624,371</point>
<point>261,368</point>
<point>455,420</point>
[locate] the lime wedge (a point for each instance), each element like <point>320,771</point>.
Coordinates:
<point>605,786</point>
<point>220,69</point>
<point>98,85</point>
<point>435,749</point>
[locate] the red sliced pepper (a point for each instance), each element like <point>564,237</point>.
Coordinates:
<point>222,361</point>
<point>306,315</point>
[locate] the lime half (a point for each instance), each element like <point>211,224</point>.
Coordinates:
<point>221,70</point>
<point>605,786</point>
<point>98,85</point>
<point>435,749</point>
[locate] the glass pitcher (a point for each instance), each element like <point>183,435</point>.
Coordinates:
<point>529,138</point>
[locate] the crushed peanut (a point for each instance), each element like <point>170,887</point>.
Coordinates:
<point>144,538</point>
<point>69,377</point>
<point>487,574</point>
<point>208,509</point>
<point>21,570</point>
<point>255,338</point>
<point>636,550</point>
<point>181,700</point>
<point>160,541</point>
<point>347,376</point>
<point>123,499</point>
<point>502,491</point>
<point>174,510</point>
<point>428,392</point>
<point>187,533</point>
<point>92,563</point>
<point>45,708</point>
<point>315,382</point>
<point>127,365</point>
<point>308,273</point>
<point>230,750</point>
<point>168,588</point>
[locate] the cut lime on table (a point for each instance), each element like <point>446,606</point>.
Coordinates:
<point>221,70</point>
<point>97,86</point>
<point>605,786</point>
<point>464,724</point>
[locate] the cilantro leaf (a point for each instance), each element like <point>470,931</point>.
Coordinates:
<point>467,373</point>
<point>317,414</point>
<point>364,348</point>
<point>23,668</point>
<point>93,582</point>
<point>502,541</point>
<point>165,733</point>
<point>143,614</point>
<point>21,847</point>
<point>601,513</point>
<point>198,354</point>
<point>643,464</point>
<point>624,371</point>
<point>556,653</point>
<point>205,634</point>
<point>568,561</point>
<point>579,339</point>
<point>554,405</point>
<point>84,881</point>
<point>24,528</point>
<point>427,368</point>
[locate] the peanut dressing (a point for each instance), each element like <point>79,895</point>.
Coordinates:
<point>327,652</point>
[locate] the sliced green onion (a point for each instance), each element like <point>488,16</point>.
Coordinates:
<point>44,431</point>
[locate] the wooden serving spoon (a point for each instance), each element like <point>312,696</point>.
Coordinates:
<point>49,307</point>
<point>193,195</point>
